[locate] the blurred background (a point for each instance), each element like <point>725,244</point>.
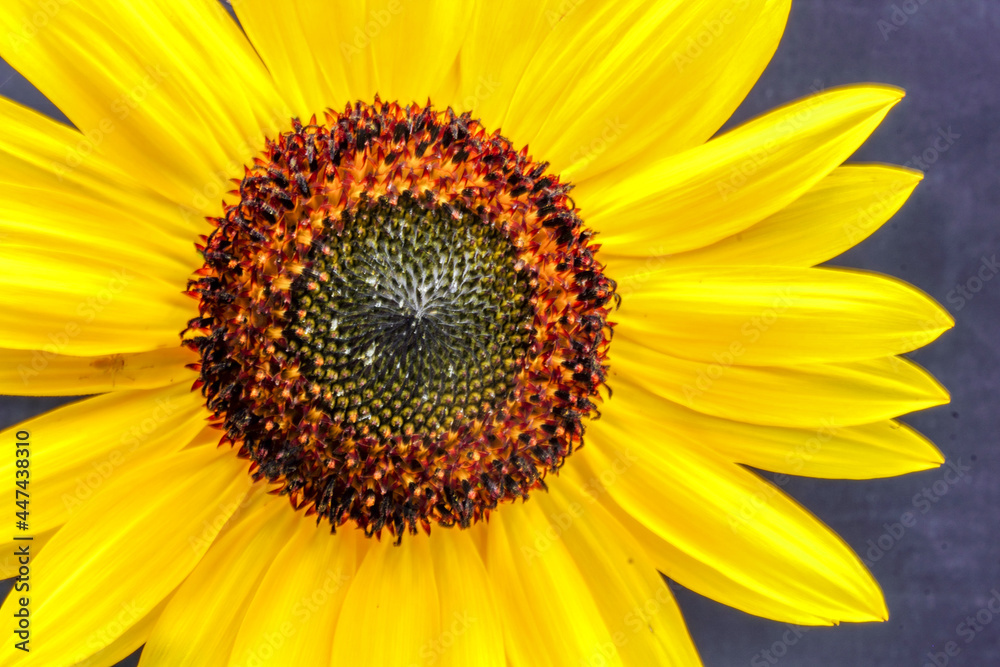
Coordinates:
<point>940,574</point>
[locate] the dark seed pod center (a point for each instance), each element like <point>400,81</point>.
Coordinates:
<point>411,317</point>
<point>402,322</point>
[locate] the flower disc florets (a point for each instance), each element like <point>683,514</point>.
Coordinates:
<point>402,321</point>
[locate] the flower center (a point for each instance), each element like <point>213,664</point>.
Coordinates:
<point>402,321</point>
<point>410,318</point>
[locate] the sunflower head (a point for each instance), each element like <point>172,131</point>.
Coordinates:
<point>402,321</point>
<point>399,321</point>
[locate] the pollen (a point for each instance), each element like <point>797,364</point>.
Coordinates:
<point>401,322</point>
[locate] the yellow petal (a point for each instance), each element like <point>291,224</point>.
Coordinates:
<point>199,625</point>
<point>471,631</point>
<point>47,373</point>
<point>645,624</point>
<point>125,551</point>
<point>839,212</point>
<point>705,194</point>
<point>799,396</point>
<point>126,644</point>
<point>625,83</point>
<point>728,534</point>
<point>868,451</point>
<point>10,562</point>
<point>171,91</point>
<point>79,306</point>
<point>291,616</point>
<point>85,246</point>
<point>326,54</point>
<point>549,615</point>
<point>865,451</point>
<point>78,449</point>
<point>768,316</point>
<point>415,54</point>
<point>308,46</point>
<point>86,194</point>
<point>35,223</point>
<point>392,607</point>
<point>493,63</point>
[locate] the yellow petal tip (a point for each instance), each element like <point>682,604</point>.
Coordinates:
<point>875,612</point>
<point>937,459</point>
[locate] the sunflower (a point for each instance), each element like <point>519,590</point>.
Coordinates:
<point>433,332</point>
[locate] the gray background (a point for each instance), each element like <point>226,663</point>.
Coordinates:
<point>947,566</point>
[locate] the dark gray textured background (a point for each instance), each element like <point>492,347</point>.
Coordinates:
<point>947,566</point>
